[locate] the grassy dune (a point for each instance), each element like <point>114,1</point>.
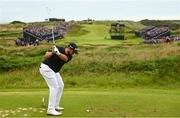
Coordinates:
<point>101,66</point>
<point>102,62</point>
<point>108,77</point>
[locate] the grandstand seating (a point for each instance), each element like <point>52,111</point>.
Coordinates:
<point>152,32</point>
<point>32,32</point>
<point>157,32</point>
<point>155,35</point>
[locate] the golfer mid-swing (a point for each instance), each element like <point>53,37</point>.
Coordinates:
<point>53,61</point>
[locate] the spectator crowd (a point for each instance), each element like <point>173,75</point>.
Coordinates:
<point>155,35</point>
<point>152,32</point>
<point>32,34</point>
<point>162,40</point>
<point>157,32</point>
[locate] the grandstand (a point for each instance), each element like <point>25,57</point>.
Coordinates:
<point>152,32</point>
<point>142,32</point>
<point>157,32</point>
<point>156,35</point>
<point>32,34</point>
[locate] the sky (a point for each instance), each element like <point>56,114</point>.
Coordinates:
<point>39,10</point>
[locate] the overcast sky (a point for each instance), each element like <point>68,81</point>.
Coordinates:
<point>39,10</point>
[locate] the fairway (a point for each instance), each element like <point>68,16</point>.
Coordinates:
<point>98,34</point>
<point>84,103</point>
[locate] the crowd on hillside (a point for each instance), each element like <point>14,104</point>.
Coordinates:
<point>22,42</point>
<point>35,33</point>
<point>152,32</point>
<point>156,32</point>
<point>61,29</point>
<point>143,31</point>
<point>39,31</point>
<point>45,33</point>
<point>166,39</point>
<point>155,35</point>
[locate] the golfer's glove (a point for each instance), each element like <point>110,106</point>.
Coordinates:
<point>56,51</point>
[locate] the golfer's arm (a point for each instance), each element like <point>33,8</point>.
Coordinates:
<point>63,57</point>
<point>47,55</point>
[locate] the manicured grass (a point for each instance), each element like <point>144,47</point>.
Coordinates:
<point>100,103</point>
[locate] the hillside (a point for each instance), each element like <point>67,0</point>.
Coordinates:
<point>102,62</point>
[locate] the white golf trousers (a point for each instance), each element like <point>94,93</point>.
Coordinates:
<point>55,84</point>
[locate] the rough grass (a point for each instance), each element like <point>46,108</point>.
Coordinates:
<point>121,66</point>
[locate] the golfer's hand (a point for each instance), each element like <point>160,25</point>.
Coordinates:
<point>56,51</point>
